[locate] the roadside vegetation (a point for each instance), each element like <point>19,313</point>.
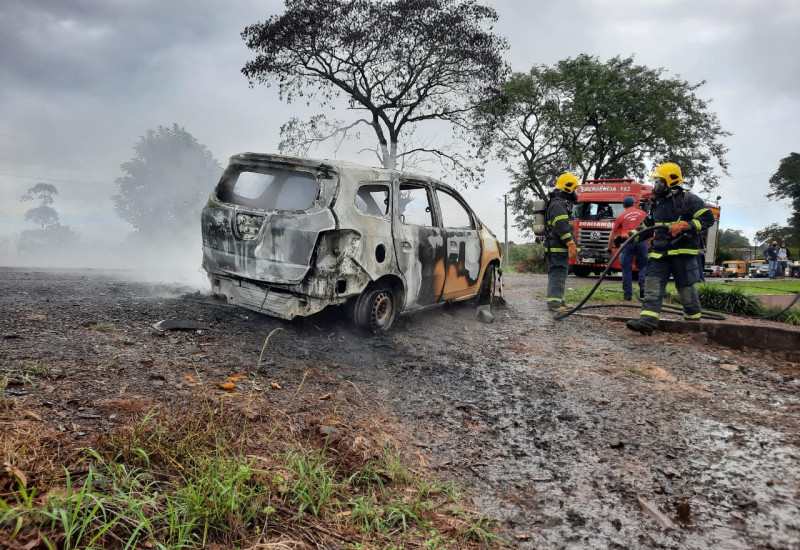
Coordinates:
<point>224,470</point>
<point>735,297</point>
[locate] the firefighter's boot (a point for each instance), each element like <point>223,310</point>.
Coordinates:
<point>640,326</point>
<point>641,291</point>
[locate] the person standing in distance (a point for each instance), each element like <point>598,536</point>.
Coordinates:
<point>675,222</point>
<point>559,239</point>
<point>626,222</point>
<point>783,260</point>
<point>771,255</point>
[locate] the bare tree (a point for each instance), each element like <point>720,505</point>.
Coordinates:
<point>398,63</point>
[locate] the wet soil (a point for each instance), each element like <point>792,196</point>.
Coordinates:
<point>566,431</point>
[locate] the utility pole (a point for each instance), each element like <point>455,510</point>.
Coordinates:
<point>505,226</point>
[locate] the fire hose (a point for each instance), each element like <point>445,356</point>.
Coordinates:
<point>707,314</point>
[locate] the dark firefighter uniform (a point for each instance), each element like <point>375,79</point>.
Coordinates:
<point>560,241</point>
<point>675,222</point>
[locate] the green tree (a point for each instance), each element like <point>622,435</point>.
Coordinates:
<point>167,183</point>
<point>599,120</point>
<point>398,63</point>
<point>733,238</point>
<point>51,233</point>
<point>44,214</point>
<point>785,184</point>
<point>778,233</point>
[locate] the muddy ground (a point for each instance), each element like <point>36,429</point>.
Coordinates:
<point>562,429</point>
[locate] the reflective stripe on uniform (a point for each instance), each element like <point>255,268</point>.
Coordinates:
<point>649,313</point>
<point>700,212</point>
<point>697,224</point>
<point>679,251</point>
<point>566,237</point>
<point>556,250</point>
<point>692,316</point>
<point>655,255</point>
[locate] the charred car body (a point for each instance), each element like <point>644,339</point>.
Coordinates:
<point>288,237</point>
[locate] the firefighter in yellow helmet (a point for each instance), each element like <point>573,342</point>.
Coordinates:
<point>676,221</point>
<point>559,239</point>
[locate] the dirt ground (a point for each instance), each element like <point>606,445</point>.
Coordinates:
<point>567,432</point>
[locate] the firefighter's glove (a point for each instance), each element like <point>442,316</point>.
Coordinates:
<point>572,249</point>
<point>621,238</point>
<point>677,228</point>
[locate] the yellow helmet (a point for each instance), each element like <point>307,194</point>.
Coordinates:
<point>567,183</point>
<point>670,173</point>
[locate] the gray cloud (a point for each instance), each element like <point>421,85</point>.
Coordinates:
<point>84,79</point>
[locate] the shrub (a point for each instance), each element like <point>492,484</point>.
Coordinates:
<point>731,300</point>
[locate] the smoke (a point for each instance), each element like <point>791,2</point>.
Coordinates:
<point>173,258</point>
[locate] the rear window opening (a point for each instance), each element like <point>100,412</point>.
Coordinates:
<point>268,188</point>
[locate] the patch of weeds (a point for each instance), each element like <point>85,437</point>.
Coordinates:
<point>790,317</point>
<point>479,530</point>
<point>109,364</point>
<point>313,484</point>
<point>35,368</point>
<point>182,478</point>
<point>102,327</point>
<point>398,515</point>
<point>365,515</point>
<point>635,370</point>
<point>219,496</point>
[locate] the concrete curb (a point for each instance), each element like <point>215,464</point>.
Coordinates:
<point>774,339</point>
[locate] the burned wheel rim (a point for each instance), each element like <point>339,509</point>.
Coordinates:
<point>381,310</point>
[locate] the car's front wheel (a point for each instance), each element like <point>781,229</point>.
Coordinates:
<point>488,286</point>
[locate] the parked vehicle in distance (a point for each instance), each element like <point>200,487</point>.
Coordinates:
<point>735,268</point>
<point>287,236</point>
<point>758,268</point>
<point>714,271</point>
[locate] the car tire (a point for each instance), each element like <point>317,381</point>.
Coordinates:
<point>581,271</point>
<point>488,285</point>
<point>375,309</point>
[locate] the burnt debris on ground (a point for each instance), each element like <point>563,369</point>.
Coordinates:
<point>575,433</point>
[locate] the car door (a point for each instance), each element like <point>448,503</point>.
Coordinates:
<point>419,243</point>
<point>463,258</point>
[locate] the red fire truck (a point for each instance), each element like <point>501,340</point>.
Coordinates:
<point>599,204</point>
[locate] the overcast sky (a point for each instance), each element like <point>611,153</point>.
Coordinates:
<point>82,80</point>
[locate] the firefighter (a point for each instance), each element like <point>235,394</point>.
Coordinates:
<point>560,244</point>
<point>629,219</point>
<point>675,222</point>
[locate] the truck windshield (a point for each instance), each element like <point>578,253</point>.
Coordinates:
<point>598,210</point>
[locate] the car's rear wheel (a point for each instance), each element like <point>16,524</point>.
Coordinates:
<point>376,309</point>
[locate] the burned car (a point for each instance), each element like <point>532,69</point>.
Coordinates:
<point>288,237</point>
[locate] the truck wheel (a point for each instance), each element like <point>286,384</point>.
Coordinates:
<point>375,309</point>
<point>581,271</point>
<point>486,292</point>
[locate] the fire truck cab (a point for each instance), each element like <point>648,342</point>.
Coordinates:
<point>599,204</point>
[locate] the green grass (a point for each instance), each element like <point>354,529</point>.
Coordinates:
<point>183,477</point>
<point>763,286</point>
<point>179,480</point>
<point>733,297</point>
